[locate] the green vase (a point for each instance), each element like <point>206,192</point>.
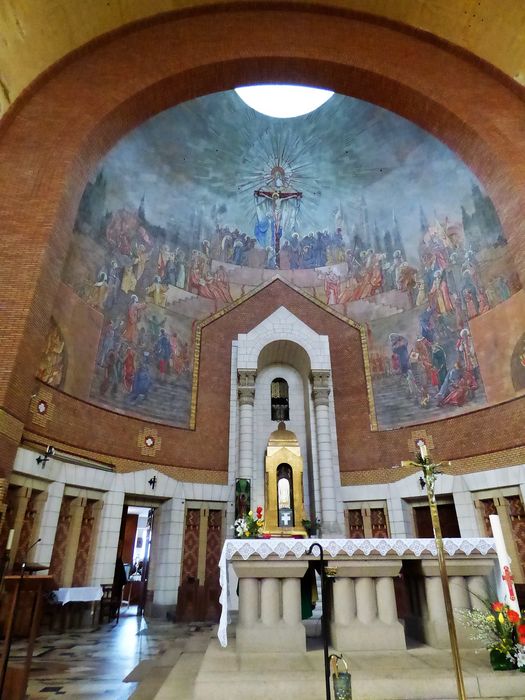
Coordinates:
<point>500,662</point>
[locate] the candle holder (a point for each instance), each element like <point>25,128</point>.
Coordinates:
<point>430,471</point>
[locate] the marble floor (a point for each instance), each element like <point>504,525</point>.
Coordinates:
<point>140,659</point>
<point>131,659</point>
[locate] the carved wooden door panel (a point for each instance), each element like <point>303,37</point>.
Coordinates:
<point>517,523</point>
<point>198,598</point>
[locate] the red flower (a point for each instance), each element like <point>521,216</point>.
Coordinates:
<point>259,511</point>
<point>497,607</point>
<point>513,616</point>
<point>521,630</point>
<point>521,639</point>
<point>266,536</point>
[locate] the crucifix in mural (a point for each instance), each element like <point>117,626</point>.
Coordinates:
<point>282,205</point>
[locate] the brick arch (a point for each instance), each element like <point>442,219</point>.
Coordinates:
<point>55,136</point>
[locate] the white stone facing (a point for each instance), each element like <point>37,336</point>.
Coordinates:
<point>464,490</point>
<point>263,424</point>
<point>111,488</point>
<point>284,346</point>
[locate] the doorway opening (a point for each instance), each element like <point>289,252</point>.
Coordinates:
<point>130,583</point>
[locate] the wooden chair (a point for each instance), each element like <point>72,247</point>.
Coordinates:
<point>110,603</point>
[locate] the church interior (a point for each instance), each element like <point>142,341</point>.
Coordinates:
<point>227,333</point>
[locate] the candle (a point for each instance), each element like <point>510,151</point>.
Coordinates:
<point>422,449</point>
<point>10,539</point>
<point>505,583</point>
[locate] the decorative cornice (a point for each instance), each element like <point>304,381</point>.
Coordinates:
<point>124,466</point>
<point>10,427</point>
<point>468,465</point>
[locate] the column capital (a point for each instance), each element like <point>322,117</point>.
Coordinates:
<point>246,386</point>
<point>321,387</point>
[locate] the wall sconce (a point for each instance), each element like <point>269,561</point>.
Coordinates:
<point>44,459</point>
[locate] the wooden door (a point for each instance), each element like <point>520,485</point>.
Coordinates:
<point>198,597</point>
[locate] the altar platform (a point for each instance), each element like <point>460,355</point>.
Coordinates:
<point>267,651</point>
<point>420,673</point>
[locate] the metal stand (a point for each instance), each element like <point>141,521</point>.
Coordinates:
<point>324,620</point>
<point>430,470</point>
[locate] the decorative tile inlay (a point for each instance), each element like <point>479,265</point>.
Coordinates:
<point>42,407</point>
<point>149,441</point>
<point>416,436</point>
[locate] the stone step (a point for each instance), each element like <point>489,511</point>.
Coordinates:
<point>418,674</point>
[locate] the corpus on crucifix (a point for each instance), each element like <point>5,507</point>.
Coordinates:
<point>277,194</point>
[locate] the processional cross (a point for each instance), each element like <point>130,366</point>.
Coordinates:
<point>278,192</point>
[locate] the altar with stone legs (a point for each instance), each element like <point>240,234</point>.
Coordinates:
<point>369,578</point>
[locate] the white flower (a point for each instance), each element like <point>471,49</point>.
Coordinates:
<point>520,655</point>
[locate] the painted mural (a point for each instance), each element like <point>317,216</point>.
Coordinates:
<point>360,208</point>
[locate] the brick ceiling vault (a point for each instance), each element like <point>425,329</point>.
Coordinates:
<point>38,33</point>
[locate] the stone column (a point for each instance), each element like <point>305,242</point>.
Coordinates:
<point>364,606</point>
<point>478,592</point>
<point>246,395</point>
<point>270,601</point>
<point>458,592</point>
<point>460,571</point>
<point>22,499</point>
<point>40,504</point>
<point>365,596</point>
<point>248,602</point>
<point>344,601</point>
<point>435,622</point>
<point>106,544</point>
<point>48,524</point>
<point>273,587</point>
<point>320,395</point>
<point>291,589</point>
<point>77,513</point>
<point>386,600</point>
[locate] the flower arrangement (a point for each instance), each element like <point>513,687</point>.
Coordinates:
<point>250,525</point>
<point>502,630</point>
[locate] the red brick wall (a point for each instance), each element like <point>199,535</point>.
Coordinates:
<point>55,135</point>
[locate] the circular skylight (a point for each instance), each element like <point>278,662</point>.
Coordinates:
<point>283,101</point>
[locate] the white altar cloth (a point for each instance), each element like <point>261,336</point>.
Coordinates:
<point>281,547</point>
<point>84,594</point>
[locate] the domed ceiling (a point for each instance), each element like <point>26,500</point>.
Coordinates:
<point>357,207</point>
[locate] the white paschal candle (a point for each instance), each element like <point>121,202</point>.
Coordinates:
<point>10,539</point>
<point>504,587</point>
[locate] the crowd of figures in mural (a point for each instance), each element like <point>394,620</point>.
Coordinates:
<point>415,276</point>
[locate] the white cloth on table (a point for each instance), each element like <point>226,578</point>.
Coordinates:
<point>281,547</point>
<point>77,594</point>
